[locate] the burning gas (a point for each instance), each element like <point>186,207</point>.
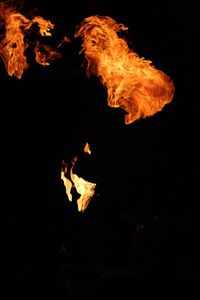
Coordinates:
<point>133,83</point>
<point>87,149</point>
<point>84,188</point>
<point>45,54</point>
<point>14,42</point>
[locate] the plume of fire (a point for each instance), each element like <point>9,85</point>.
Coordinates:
<point>133,83</point>
<point>13,45</point>
<point>84,188</point>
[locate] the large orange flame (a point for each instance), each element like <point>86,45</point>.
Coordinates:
<point>84,188</point>
<point>133,83</point>
<point>14,44</point>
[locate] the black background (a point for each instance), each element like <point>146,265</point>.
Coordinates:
<point>145,172</point>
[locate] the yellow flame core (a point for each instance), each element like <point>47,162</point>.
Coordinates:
<point>84,188</point>
<point>133,83</point>
<point>13,45</point>
<point>67,183</point>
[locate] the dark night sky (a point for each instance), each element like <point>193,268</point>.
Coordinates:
<point>147,168</point>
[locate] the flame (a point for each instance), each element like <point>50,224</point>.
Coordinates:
<point>63,41</point>
<point>67,182</point>
<point>45,54</point>
<point>84,188</point>
<point>87,149</point>
<point>14,44</point>
<point>133,83</point>
<point>44,25</point>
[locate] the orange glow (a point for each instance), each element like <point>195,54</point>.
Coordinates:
<point>45,54</point>
<point>84,188</point>
<point>133,83</point>
<point>64,40</point>
<point>87,149</point>
<point>14,44</point>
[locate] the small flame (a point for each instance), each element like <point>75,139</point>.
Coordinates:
<point>84,188</point>
<point>67,182</point>
<point>133,83</point>
<point>87,149</point>
<point>64,40</point>
<point>45,54</point>
<point>14,44</point>
<point>44,25</point>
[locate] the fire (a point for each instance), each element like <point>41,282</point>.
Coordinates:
<point>67,183</point>
<point>45,54</point>
<point>64,40</point>
<point>132,82</point>
<point>13,45</point>
<point>84,188</point>
<point>87,149</point>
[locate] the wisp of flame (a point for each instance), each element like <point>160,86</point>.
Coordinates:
<point>14,44</point>
<point>132,82</point>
